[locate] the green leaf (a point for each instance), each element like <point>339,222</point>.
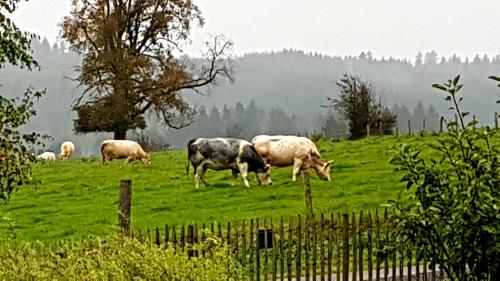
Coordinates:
<point>493,77</point>
<point>456,79</point>
<point>440,87</point>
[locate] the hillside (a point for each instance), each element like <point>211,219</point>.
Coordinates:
<point>78,198</point>
<point>296,82</point>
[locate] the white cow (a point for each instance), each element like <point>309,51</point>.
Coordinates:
<point>283,151</point>
<point>119,149</point>
<point>67,148</point>
<point>47,156</point>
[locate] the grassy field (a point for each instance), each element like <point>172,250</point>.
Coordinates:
<point>78,198</point>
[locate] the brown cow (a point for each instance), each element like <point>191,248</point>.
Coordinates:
<point>283,151</point>
<point>119,149</point>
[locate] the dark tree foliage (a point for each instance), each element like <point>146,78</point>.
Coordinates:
<point>15,154</point>
<point>14,43</point>
<point>358,104</point>
<point>129,65</point>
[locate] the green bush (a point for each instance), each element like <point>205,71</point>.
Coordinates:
<point>455,219</point>
<point>117,259</point>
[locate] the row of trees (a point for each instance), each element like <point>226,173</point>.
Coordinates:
<point>417,117</point>
<point>239,121</point>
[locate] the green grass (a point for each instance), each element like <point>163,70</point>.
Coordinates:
<point>78,198</point>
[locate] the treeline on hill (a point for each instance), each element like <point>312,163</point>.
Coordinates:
<point>286,83</point>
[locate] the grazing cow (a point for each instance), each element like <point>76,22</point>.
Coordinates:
<point>301,152</point>
<point>67,148</point>
<point>236,155</point>
<point>119,149</point>
<point>47,156</point>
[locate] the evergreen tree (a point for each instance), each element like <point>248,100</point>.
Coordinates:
<point>252,126</point>
<point>418,117</point>
<point>418,60</point>
<point>215,122</point>
<point>333,127</point>
<point>432,119</point>
<point>431,58</point>
<point>281,123</point>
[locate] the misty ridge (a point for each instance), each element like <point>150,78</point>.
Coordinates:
<point>273,93</point>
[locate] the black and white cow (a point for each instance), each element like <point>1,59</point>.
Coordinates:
<point>226,154</point>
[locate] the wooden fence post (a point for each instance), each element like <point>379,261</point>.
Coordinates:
<point>409,127</point>
<point>423,125</point>
<point>496,120</point>
<point>474,119</point>
<point>308,194</point>
<point>345,246</point>
<point>441,122</point>
<point>192,236</point>
<point>124,206</point>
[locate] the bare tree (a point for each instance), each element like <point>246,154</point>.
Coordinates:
<point>129,65</point>
<point>358,104</point>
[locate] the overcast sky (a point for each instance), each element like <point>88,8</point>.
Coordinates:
<point>398,28</point>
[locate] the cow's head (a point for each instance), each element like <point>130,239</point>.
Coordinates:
<point>146,159</point>
<point>324,171</point>
<point>264,176</point>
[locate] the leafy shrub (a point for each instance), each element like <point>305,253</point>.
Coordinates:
<point>15,155</point>
<point>455,219</point>
<point>117,259</point>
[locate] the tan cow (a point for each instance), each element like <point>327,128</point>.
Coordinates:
<point>67,148</point>
<point>47,156</point>
<point>119,149</point>
<point>283,151</point>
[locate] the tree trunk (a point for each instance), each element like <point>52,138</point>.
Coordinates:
<point>120,135</point>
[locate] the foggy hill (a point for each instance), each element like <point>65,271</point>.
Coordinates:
<point>301,82</point>
<point>291,81</point>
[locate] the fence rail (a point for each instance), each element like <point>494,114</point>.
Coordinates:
<point>332,247</point>
<point>421,125</point>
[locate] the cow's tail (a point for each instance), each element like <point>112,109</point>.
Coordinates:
<point>103,145</point>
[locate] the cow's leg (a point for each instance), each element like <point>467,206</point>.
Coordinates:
<point>200,176</point>
<point>196,177</point>
<point>234,177</point>
<point>129,159</point>
<point>105,159</point>
<point>243,167</point>
<point>268,162</point>
<point>297,165</point>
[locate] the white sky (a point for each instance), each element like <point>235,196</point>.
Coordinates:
<point>398,28</point>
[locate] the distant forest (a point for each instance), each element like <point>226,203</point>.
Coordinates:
<point>273,93</point>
